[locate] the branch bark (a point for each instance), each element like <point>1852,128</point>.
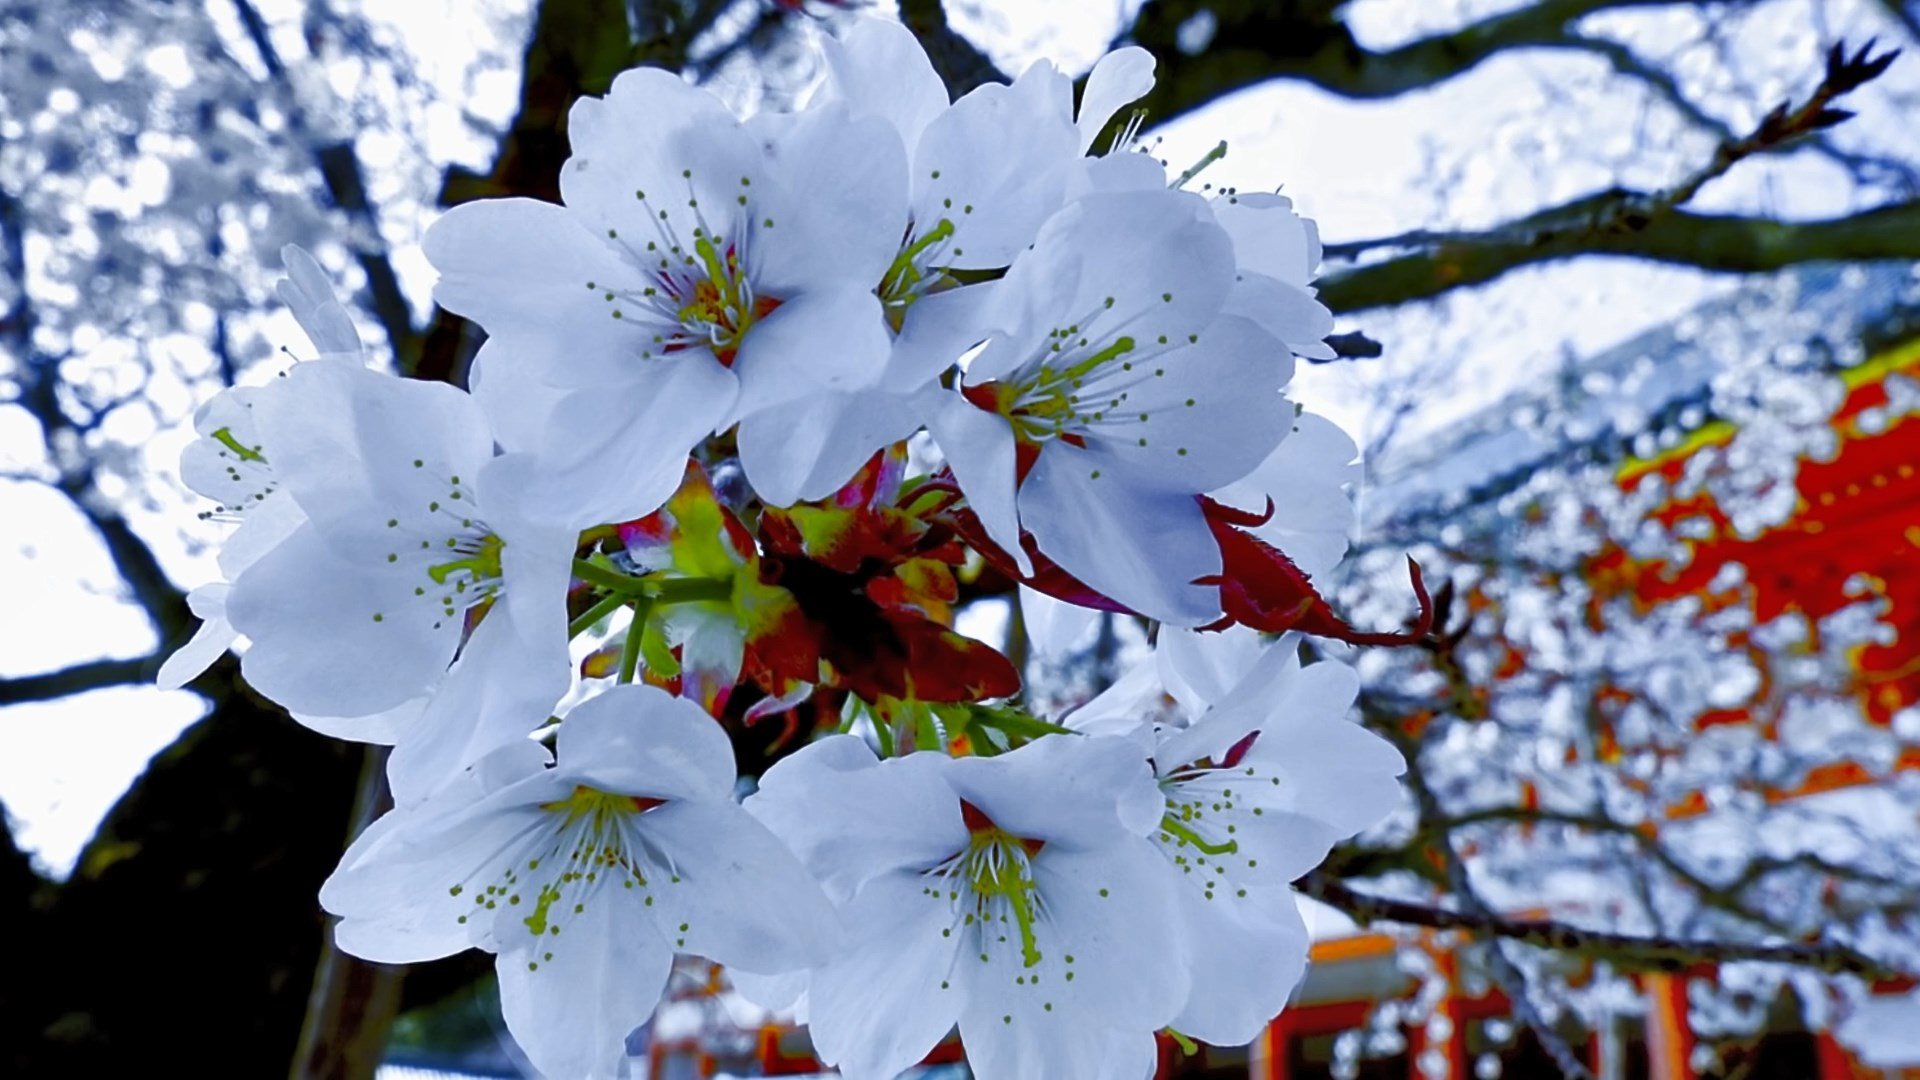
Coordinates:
<point>79,678</point>
<point>1721,242</point>
<point>1626,950</point>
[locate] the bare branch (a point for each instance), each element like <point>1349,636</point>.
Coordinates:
<point>339,168</point>
<point>1308,42</point>
<point>1626,950</point>
<point>79,678</point>
<point>960,65</point>
<point>1706,241</point>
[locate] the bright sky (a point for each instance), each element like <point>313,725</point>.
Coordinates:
<point>1465,153</point>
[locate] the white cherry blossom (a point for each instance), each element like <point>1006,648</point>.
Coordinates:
<point>1131,393</point>
<point>1263,773</point>
<point>411,524</point>
<point>585,877</point>
<point>702,270</point>
<point>1014,896</point>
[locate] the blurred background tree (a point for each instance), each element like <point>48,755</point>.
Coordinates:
<point>1503,185</point>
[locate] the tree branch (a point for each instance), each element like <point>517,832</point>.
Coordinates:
<point>79,678</point>
<point>339,168</point>
<point>1305,40</point>
<point>1626,950</point>
<point>1707,241</point>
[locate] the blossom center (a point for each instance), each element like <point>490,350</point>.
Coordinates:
<point>994,875</point>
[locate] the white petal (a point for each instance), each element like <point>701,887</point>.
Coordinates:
<point>622,450</point>
<point>1112,910</point>
<point>536,559</point>
<point>663,162</point>
<point>837,200</point>
<point>979,447</point>
<point>502,688</point>
<point>1288,312</point>
<point>879,1006</point>
<point>937,331</point>
<point>809,448</point>
<point>1119,79</point>
<point>508,378</point>
<point>264,525</point>
<point>821,802</point>
<point>1268,237</point>
<point>208,644</point>
<point>1140,546</point>
<point>877,66</point>
<point>1095,788</point>
<point>405,884</point>
<point>308,293</point>
<point>641,740</point>
<point>316,645</point>
<point>1201,667</point>
<point>827,340</point>
<point>1054,626</point>
<point>996,165</point>
<point>1151,266</point>
<point>742,899</point>
<point>521,266</point>
<point>381,728</point>
<point>1215,414</point>
<point>572,1000</point>
<point>1306,478</point>
<point>356,449</point>
<point>1247,954</point>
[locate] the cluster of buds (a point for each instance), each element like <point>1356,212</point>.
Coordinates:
<point>754,404</point>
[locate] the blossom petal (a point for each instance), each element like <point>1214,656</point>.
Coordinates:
<point>627,444</point>
<point>742,899</point>
<point>1288,312</point>
<point>308,293</point>
<point>1054,626</point>
<point>641,740</point>
<point>402,889</point>
<point>1139,545</point>
<point>501,688</point>
<point>937,330</point>
<point>1215,415</point>
<point>878,66</point>
<point>317,646</point>
<point>880,1006</point>
<point>1269,237</point>
<point>827,340</point>
<point>1248,954</point>
<point>1117,80</point>
<point>521,266</point>
<point>356,448</point>
<point>808,449</point>
<point>659,161</point>
<point>979,448</point>
<point>809,798</point>
<point>208,644</point>
<point>1096,786</point>
<point>838,202</point>
<point>1111,910</point>
<point>571,1001</point>
<point>995,201</point>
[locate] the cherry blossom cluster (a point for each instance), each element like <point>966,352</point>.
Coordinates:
<point>761,402</point>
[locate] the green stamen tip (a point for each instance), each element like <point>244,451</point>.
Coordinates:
<point>1178,828</point>
<point>245,453</point>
